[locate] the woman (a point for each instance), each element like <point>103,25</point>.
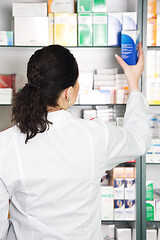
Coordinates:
<point>51,163</point>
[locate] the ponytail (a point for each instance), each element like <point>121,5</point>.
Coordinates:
<point>29,111</point>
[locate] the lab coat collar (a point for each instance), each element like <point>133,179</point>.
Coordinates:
<point>59,115</point>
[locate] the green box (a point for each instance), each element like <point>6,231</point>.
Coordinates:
<point>100,32</point>
<point>99,6</point>
<point>149,210</point>
<point>85,29</point>
<point>84,6</point>
<point>149,190</point>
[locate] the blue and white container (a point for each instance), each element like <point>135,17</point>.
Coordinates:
<point>129,46</point>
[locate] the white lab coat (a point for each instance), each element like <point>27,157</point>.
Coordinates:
<point>53,181</point>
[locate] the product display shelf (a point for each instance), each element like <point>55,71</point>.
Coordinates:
<point>150,170</point>
<point>115,49</point>
<point>92,47</point>
<point>107,104</point>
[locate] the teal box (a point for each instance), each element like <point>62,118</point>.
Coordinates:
<point>85,29</point>
<point>100,29</point>
<point>99,6</point>
<point>84,6</point>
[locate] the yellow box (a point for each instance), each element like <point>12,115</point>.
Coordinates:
<point>152,31</point>
<point>152,8</point>
<point>50,28</point>
<point>65,29</point>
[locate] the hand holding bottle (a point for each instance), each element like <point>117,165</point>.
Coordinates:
<point>133,72</point>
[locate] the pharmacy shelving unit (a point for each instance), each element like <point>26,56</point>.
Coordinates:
<point>150,171</point>
<point>14,60</point>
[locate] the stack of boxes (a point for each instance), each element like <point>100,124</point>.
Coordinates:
<point>152,205</point>
<point>111,114</point>
<point>118,200</point>
<point>105,86</point>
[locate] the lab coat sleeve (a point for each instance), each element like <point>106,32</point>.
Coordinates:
<point>4,206</point>
<point>134,139</point>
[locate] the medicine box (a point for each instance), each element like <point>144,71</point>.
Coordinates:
<point>151,234</point>
<point>130,188</point>
<point>151,63</point>
<point>99,5</point>
<point>51,28</point>
<point>31,31</point>
<point>6,81</point>
<point>151,8</point>
<point>129,46</point>
<point>119,209</point>
<point>149,190</point>
<point>129,21</point>
<point>158,62</point>
<point>85,29</point>
<point>61,6</point>
<point>84,5</point>
<point>107,71</point>
<point>152,31</point>
<point>156,209</point>
<point>106,203</point>
<point>114,29</point>
<point>118,188</point>
<point>102,77</point>
<point>129,172</point>
<point>158,30</point>
<point>95,97</point>
<point>149,210</point>
<point>89,114</point>
<point>130,210</point>
<point>6,95</point>
<point>118,172</point>
<point>6,38</point>
<point>30,9</point>
<point>65,29</point>
<point>100,29</point>
<point>85,81</point>
<point>108,231</point>
<point>123,234</point>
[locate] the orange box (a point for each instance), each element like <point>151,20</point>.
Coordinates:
<point>152,31</point>
<point>152,8</point>
<point>129,172</point>
<point>118,172</point>
<point>61,6</point>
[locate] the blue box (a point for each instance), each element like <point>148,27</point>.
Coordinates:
<point>6,38</point>
<point>129,46</point>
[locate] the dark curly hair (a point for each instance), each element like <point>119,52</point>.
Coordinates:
<point>50,70</point>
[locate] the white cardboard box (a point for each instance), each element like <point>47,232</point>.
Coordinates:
<point>108,231</point>
<point>123,234</point>
<point>106,203</point>
<point>151,234</point>
<point>30,9</point>
<point>31,31</point>
<point>6,95</point>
